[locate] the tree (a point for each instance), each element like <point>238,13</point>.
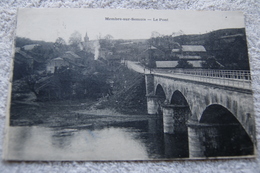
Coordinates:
<point>60,42</point>
<point>86,42</point>
<point>155,34</point>
<point>182,63</point>
<point>165,43</point>
<point>108,37</point>
<point>151,58</point>
<point>106,42</point>
<point>211,63</point>
<point>75,41</point>
<point>31,81</point>
<point>60,45</point>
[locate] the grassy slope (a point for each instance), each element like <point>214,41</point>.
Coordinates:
<point>129,92</point>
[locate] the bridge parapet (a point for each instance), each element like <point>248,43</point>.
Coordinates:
<point>228,74</point>
<point>231,78</point>
<point>217,105</point>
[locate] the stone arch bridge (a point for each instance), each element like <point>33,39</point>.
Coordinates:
<point>214,108</point>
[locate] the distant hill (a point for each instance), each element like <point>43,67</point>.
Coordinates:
<point>227,46</point>
<point>20,42</point>
<point>209,39</point>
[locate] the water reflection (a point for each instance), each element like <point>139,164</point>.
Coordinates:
<point>175,147</point>
<point>126,140</point>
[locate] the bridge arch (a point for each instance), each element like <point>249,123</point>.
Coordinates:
<point>178,98</point>
<point>160,98</point>
<point>182,108</point>
<point>223,134</point>
<point>160,94</point>
<point>232,108</point>
<point>217,114</point>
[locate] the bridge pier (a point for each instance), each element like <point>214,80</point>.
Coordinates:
<point>174,118</point>
<point>149,84</point>
<point>209,106</point>
<point>211,140</point>
<point>152,104</point>
<point>168,120</point>
<point>195,137</point>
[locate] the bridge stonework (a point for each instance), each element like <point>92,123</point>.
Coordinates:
<point>199,97</point>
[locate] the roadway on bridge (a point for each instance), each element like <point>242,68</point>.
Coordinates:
<point>229,82</point>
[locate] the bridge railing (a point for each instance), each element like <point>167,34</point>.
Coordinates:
<point>228,74</point>
<point>233,78</point>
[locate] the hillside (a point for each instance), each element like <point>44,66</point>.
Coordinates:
<point>226,46</point>
<point>128,92</point>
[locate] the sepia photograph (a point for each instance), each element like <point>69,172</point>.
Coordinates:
<point>112,85</point>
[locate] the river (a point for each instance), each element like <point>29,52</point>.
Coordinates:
<point>135,137</point>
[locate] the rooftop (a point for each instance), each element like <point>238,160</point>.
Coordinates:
<point>30,46</point>
<point>71,55</point>
<point>193,48</point>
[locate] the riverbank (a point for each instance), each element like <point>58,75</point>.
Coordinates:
<point>127,99</point>
<point>70,114</point>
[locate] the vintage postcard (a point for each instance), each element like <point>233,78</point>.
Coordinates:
<point>99,84</point>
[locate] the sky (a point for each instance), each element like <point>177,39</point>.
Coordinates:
<point>49,24</point>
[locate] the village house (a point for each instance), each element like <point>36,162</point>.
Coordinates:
<point>189,52</point>
<point>29,47</point>
<point>72,58</point>
<point>193,54</point>
<point>105,53</point>
<point>55,64</point>
<point>23,63</point>
<point>69,59</point>
<point>150,55</point>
